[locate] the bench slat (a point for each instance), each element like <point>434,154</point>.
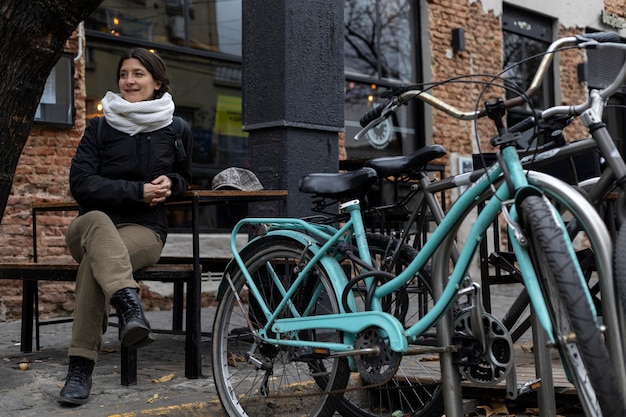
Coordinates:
<point>67,272</point>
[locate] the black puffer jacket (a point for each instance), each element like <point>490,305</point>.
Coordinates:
<point>108,173</point>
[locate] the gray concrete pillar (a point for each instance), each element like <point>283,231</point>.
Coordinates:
<point>293,101</point>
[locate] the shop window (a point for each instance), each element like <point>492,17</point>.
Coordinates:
<point>212,26</point>
<point>525,35</point>
<point>381,51</point>
<point>56,105</point>
<point>379,38</point>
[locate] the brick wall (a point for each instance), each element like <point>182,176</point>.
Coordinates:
<point>483,46</point>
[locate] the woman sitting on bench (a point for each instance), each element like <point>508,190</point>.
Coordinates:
<point>124,169</point>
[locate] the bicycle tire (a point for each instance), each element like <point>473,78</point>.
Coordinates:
<point>517,319</point>
<point>294,387</point>
<point>586,357</point>
<point>404,393</point>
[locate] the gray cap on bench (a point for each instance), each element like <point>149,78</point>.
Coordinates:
<point>236,178</point>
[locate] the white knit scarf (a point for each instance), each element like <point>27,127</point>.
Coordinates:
<point>142,116</point>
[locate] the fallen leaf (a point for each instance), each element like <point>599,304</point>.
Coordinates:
<point>153,398</point>
<point>527,348</point>
<point>233,358</point>
<point>497,408</point>
<point>488,411</point>
<point>164,378</point>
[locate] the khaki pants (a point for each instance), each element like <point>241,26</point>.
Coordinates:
<point>108,255</point>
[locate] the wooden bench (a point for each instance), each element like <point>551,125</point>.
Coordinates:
<point>192,199</point>
<point>178,273</point>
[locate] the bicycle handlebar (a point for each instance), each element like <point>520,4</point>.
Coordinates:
<point>587,40</point>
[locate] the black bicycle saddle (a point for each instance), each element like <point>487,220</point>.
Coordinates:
<point>406,164</point>
<point>340,186</point>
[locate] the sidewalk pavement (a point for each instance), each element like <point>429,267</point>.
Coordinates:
<point>162,388</point>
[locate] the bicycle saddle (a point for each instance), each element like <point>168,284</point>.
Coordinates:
<point>352,184</point>
<point>406,164</point>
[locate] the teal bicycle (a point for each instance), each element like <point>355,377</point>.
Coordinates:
<point>291,338</point>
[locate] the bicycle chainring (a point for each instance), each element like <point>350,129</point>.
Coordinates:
<point>483,368</point>
<point>376,369</point>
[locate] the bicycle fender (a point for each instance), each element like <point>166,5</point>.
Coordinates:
<point>335,272</point>
<point>524,192</point>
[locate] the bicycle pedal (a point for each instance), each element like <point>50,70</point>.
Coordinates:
<point>529,386</point>
<point>308,353</point>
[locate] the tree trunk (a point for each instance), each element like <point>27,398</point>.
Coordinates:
<point>33,34</point>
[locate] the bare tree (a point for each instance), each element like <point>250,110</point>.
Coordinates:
<point>32,36</point>
<point>377,38</point>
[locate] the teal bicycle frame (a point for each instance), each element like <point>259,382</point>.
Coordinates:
<point>321,240</point>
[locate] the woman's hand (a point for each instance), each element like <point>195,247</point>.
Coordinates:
<point>157,190</point>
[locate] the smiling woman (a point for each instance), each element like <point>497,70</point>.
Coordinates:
<point>123,172</point>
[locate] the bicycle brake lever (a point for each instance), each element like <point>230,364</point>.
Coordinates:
<point>517,230</point>
<point>391,107</point>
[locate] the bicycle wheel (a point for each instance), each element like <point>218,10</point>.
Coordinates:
<point>415,388</point>
<point>585,355</point>
<point>255,378</point>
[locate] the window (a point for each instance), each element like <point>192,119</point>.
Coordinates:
<point>211,26</point>
<point>380,53</point>
<point>525,35</point>
<point>57,101</point>
<point>379,38</point>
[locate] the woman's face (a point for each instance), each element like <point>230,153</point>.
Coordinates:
<point>135,81</point>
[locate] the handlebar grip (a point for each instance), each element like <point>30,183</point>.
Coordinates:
<point>601,37</point>
<point>371,115</point>
<point>525,124</point>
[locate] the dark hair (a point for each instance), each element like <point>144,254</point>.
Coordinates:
<point>153,63</point>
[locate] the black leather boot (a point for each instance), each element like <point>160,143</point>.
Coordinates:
<point>77,382</point>
<point>134,329</point>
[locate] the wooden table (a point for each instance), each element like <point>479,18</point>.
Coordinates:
<point>193,199</point>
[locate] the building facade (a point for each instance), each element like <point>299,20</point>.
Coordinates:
<point>388,43</point>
